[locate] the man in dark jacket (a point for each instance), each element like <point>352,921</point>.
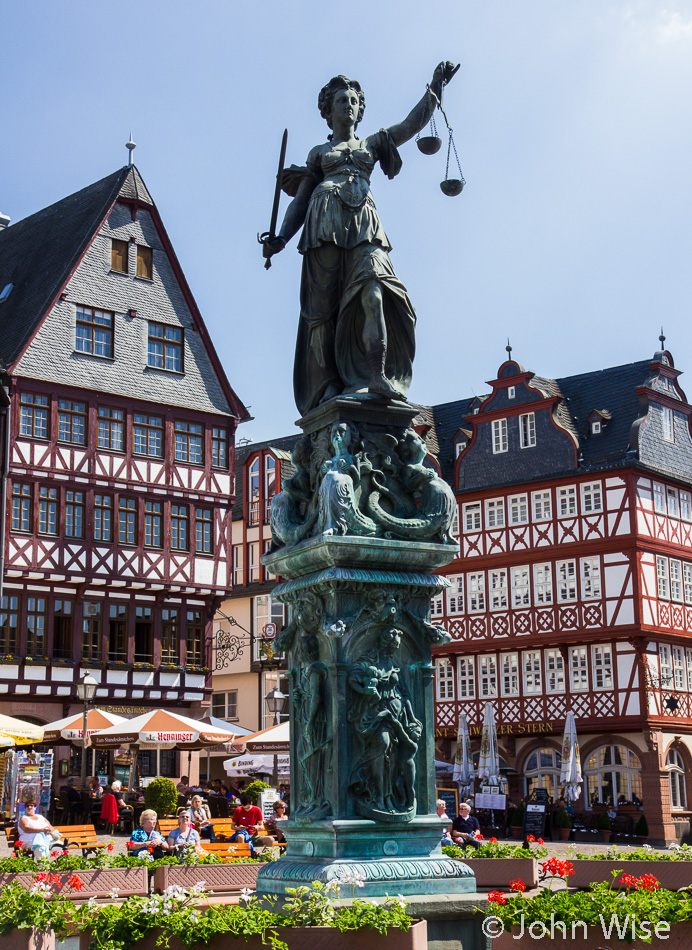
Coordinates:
<point>465,827</point>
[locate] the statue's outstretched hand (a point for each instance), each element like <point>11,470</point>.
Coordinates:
<point>271,246</point>
<point>444,72</point>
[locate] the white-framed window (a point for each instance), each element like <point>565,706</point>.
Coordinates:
<point>578,669</point>
<point>602,659</point>
<point>497,589</point>
<point>460,446</point>
<point>531,662</point>
<point>472,516</point>
<point>688,657</point>
<point>542,771</point>
<point>455,595</point>
<point>466,677</point>
<point>668,424</point>
<point>613,773</point>
<point>225,705</point>
<point>237,565</point>
<point>596,427</point>
<point>527,430</point>
<point>475,591</point>
<point>444,679</point>
<point>554,671</point>
<point>665,662</point>
<point>676,780</point>
<point>566,581</point>
<point>591,497</point>
<point>521,586</point>
<point>679,672</point>
<point>662,585</point>
<point>509,673</point>
<point>511,392</point>
<point>253,566</point>
<point>437,608</point>
<point>454,530</point>
<point>687,581</point>
<point>659,499</point>
<point>566,501</point>
<point>487,675</point>
<point>542,505</point>
<point>676,580</point>
<point>499,436</point>
<point>673,502</point>
<point>590,568</point>
<point>495,513</point>
<point>685,505</point>
<point>265,609</point>
<point>543,583</point>
<point>518,509</point>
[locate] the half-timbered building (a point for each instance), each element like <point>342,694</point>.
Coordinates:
<point>573,588</point>
<point>118,461</point>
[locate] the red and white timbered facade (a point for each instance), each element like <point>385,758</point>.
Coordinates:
<point>118,462</point>
<point>573,587</point>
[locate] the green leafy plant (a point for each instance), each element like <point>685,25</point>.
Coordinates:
<point>162,796</point>
<point>254,789</point>
<point>603,821</point>
<point>518,816</point>
<point>642,828</point>
<point>492,848</point>
<point>562,819</point>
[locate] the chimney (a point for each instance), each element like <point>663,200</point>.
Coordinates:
<point>4,221</point>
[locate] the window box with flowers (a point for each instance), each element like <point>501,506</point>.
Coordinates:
<point>672,869</point>
<point>9,659</point>
<point>38,660</point>
<point>643,913</point>
<point>495,864</point>
<point>143,666</point>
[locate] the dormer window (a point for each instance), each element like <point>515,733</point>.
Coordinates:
<point>510,392</point>
<point>94,332</point>
<point>145,264</point>
<point>460,448</point>
<point>499,436</point>
<point>119,259</point>
<point>668,425</point>
<point>596,427</point>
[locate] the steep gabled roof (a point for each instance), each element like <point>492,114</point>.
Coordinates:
<point>39,253</point>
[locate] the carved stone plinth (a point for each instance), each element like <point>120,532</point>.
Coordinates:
<point>358,530</point>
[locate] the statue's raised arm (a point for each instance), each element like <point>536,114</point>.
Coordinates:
<point>356,329</point>
<point>421,113</point>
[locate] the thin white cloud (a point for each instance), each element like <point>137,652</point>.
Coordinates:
<point>672,26</point>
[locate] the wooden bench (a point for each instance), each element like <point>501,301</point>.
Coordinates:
<point>226,851</point>
<point>76,836</point>
<point>166,825</point>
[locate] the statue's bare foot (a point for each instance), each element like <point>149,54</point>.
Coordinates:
<point>381,386</point>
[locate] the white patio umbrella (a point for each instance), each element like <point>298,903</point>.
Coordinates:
<point>570,773</point>
<point>245,765</point>
<point>161,729</point>
<point>274,739</point>
<point>18,732</point>
<point>463,762</point>
<point>488,760</point>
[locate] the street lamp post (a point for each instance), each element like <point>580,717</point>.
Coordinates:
<point>276,703</point>
<point>86,690</point>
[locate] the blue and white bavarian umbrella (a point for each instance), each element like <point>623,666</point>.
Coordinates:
<point>570,774</point>
<point>463,773</point>
<point>489,760</point>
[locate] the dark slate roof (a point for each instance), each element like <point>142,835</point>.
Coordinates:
<point>449,418</point>
<point>284,444</point>
<point>38,254</point>
<point>612,389</point>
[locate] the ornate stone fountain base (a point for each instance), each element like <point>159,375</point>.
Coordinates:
<point>375,523</point>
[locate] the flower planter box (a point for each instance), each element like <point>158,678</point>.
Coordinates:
<point>297,938</point>
<point>669,874</point>
<point>679,937</point>
<point>97,883</point>
<point>219,878</point>
<point>498,872</point>
<point>28,939</point>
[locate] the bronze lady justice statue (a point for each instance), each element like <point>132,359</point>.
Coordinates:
<point>356,330</point>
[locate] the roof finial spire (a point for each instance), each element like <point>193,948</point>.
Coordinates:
<point>662,338</point>
<point>509,349</point>
<point>130,146</point>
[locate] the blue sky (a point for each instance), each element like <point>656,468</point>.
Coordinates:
<point>572,119</point>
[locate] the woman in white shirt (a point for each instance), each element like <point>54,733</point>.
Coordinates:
<point>35,831</point>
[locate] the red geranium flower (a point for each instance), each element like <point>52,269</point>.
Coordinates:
<point>530,838</point>
<point>492,840</point>
<point>540,841</point>
<point>75,883</point>
<point>628,880</point>
<point>557,868</point>
<point>647,882</point>
<point>109,847</point>
<point>497,897</point>
<point>517,885</point>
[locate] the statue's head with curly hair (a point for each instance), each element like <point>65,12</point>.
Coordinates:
<point>327,93</point>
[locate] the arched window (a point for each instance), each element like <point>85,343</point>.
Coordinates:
<point>269,485</point>
<point>613,774</point>
<point>676,779</point>
<point>254,492</point>
<point>542,770</point>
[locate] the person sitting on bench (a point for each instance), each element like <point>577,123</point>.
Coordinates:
<point>36,832</point>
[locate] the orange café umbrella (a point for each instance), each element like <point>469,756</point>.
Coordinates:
<point>71,727</point>
<point>161,729</point>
